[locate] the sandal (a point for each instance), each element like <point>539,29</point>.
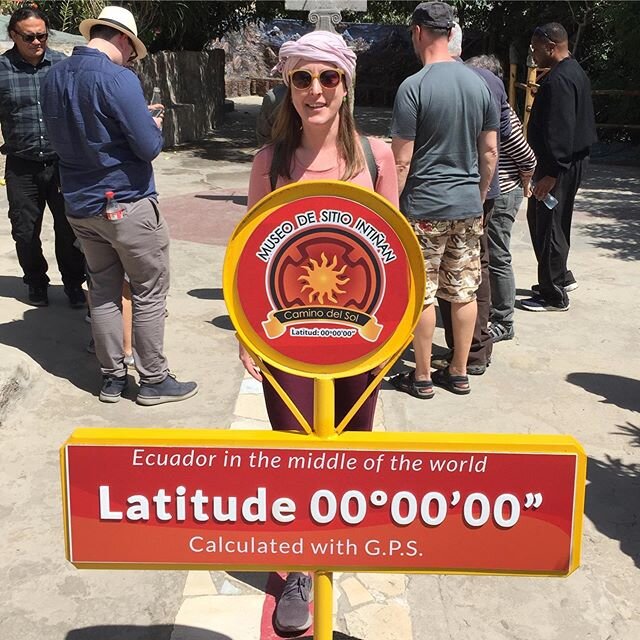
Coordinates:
<point>407,382</point>
<point>456,384</point>
<point>499,331</point>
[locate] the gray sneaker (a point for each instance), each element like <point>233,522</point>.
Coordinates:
<point>292,611</point>
<point>112,388</point>
<point>169,390</point>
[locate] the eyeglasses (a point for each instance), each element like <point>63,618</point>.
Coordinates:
<point>134,53</point>
<point>31,37</point>
<point>539,31</point>
<point>303,78</point>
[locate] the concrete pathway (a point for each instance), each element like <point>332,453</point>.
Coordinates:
<point>571,373</point>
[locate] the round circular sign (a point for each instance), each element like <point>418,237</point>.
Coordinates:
<point>324,278</point>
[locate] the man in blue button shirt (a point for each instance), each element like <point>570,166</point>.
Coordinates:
<point>31,169</point>
<point>106,138</point>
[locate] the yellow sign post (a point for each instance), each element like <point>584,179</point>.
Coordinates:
<point>361,232</point>
<point>323,280</point>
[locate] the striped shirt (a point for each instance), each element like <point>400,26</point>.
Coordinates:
<point>515,156</point>
<point>23,127</point>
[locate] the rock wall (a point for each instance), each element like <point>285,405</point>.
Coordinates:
<point>385,57</point>
<point>192,88</point>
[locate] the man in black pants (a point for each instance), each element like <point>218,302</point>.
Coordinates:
<point>32,168</point>
<point>561,131</point>
<point>482,344</point>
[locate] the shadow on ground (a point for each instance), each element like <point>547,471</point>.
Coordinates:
<point>618,390</point>
<point>236,199</point>
<point>617,207</point>
<point>614,486</point>
<point>612,502</point>
<point>55,336</point>
<point>153,632</point>
<point>207,294</point>
<point>235,139</point>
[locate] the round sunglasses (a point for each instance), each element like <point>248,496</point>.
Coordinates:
<point>303,78</point>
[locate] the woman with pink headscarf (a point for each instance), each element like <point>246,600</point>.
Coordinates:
<point>315,138</point>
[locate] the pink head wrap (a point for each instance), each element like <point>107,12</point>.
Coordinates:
<point>317,46</point>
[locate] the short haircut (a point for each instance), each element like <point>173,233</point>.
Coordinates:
<point>489,62</point>
<point>104,32</point>
<point>24,13</point>
<point>552,31</point>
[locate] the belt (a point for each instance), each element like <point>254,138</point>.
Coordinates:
<point>42,163</point>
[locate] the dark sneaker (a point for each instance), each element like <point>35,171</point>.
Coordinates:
<point>540,304</point>
<point>169,390</point>
<point>38,296</point>
<point>292,612</point>
<point>499,331</point>
<point>112,388</point>
<point>77,299</point>
<point>569,287</point>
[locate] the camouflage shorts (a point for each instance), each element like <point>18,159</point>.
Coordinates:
<point>451,251</point>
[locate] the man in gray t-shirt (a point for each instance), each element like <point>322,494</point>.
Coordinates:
<point>445,145</point>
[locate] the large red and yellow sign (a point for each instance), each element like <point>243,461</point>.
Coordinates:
<point>393,502</point>
<point>324,278</point>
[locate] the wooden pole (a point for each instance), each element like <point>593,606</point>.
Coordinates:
<point>532,75</point>
<point>513,73</point>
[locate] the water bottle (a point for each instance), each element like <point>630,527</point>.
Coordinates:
<point>156,97</point>
<point>114,210</point>
<point>550,201</point>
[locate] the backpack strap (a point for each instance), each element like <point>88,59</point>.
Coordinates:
<point>273,178</point>
<point>368,156</point>
<point>370,159</point>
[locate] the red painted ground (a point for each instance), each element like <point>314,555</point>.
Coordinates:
<point>207,217</point>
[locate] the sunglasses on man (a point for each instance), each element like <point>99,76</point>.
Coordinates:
<point>303,78</point>
<point>134,53</point>
<point>32,37</point>
<point>539,31</point>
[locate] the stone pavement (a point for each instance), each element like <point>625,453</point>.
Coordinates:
<point>573,373</point>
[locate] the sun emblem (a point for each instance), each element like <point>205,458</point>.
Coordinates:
<point>323,279</point>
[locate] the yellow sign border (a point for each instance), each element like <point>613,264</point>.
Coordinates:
<point>376,441</point>
<point>348,191</point>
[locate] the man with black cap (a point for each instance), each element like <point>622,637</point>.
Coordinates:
<point>104,133</point>
<point>444,138</point>
<point>561,131</point>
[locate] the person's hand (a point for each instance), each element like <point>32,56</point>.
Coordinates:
<point>249,363</point>
<point>543,186</point>
<point>157,111</point>
<point>525,180</point>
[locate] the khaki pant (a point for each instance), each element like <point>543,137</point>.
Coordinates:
<point>138,245</point>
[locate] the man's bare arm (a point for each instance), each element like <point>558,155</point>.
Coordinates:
<point>402,153</point>
<point>487,159</point>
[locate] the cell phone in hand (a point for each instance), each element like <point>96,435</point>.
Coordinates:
<point>157,112</point>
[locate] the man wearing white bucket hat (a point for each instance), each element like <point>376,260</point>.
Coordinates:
<point>103,131</point>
